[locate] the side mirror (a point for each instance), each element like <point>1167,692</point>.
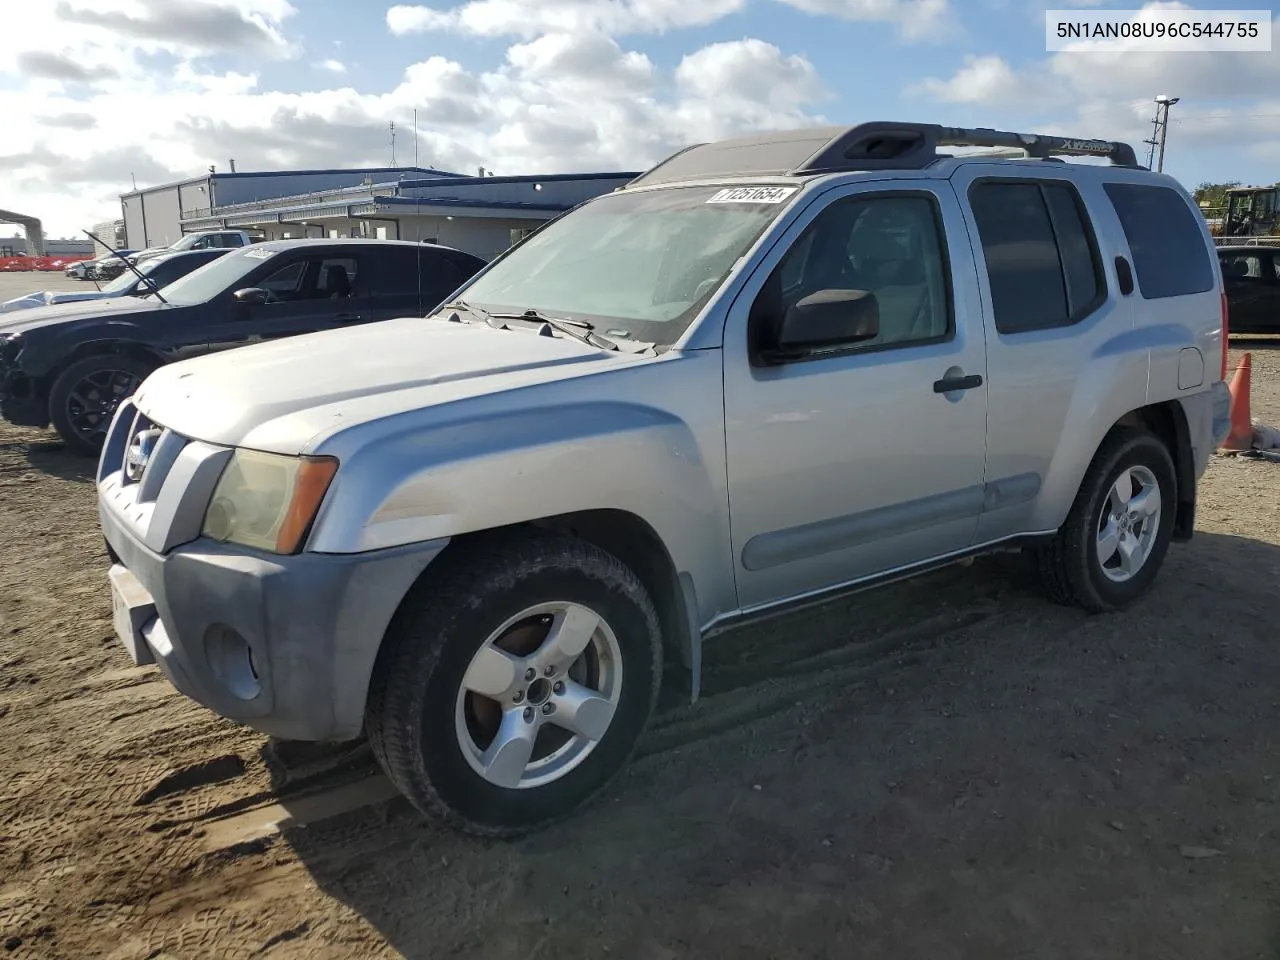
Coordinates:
<point>827,318</point>
<point>251,295</point>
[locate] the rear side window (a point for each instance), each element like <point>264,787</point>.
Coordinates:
<point>397,274</point>
<point>1042,259</point>
<point>1169,255</point>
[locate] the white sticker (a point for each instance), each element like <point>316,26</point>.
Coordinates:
<point>753,195</point>
<point>257,253</point>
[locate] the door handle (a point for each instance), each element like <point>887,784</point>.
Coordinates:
<point>957,383</point>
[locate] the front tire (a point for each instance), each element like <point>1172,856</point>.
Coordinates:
<point>1113,542</point>
<point>512,690</point>
<point>84,398</point>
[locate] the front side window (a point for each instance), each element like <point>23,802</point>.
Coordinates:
<point>890,247</point>
<point>1041,257</point>
<point>637,265</point>
<point>1242,267</point>
<point>225,274</point>
<point>312,278</point>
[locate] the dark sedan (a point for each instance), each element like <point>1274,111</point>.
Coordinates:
<point>1251,275</point>
<point>71,365</point>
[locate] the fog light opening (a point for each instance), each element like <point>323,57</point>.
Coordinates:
<point>231,659</point>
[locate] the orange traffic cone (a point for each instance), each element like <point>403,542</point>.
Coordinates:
<point>1241,435</point>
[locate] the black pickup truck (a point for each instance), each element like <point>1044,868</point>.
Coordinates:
<point>72,364</point>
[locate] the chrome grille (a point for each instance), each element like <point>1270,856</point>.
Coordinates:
<point>155,481</point>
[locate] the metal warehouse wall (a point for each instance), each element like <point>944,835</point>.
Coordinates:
<point>133,226</point>
<point>230,188</point>
<point>484,238</point>
<point>194,196</point>
<point>567,192</point>
<point>163,212</point>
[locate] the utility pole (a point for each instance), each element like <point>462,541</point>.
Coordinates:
<point>1159,132</point>
<point>393,143</point>
<point>415,138</point>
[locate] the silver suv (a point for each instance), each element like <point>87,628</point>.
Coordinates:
<point>766,372</point>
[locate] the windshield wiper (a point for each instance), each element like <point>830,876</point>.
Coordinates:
<point>578,329</point>
<point>138,273</point>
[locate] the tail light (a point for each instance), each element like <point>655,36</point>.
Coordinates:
<point>1225,329</point>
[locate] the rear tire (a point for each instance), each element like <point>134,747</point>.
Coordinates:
<point>509,618</point>
<point>1125,508</point>
<point>84,397</point>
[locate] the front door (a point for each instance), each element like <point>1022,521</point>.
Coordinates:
<point>308,292</point>
<point>868,457</point>
<point>1250,281</point>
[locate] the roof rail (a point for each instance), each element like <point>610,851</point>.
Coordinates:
<point>876,145</point>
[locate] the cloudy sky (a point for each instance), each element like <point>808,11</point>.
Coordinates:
<point>95,94</point>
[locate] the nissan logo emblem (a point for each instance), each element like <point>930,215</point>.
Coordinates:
<point>139,454</point>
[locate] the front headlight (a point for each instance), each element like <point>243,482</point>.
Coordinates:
<point>268,501</point>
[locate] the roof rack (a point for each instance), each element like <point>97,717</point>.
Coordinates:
<point>877,145</point>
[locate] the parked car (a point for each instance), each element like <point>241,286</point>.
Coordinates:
<point>217,239</point>
<point>157,273</point>
<point>110,268</point>
<point>88,269</point>
<point>1252,278</point>
<point>72,364</point>
<point>766,373</point>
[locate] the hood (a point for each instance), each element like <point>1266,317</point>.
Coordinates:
<point>284,395</point>
<point>44,298</point>
<point>22,321</point>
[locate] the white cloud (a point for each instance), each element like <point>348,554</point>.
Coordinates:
<point>557,102</point>
<point>1109,95</point>
<point>916,19</point>
<point>986,80</point>
<point>334,66</point>
<point>73,44</point>
<point>499,18</point>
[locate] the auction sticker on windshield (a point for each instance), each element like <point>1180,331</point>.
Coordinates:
<point>753,195</point>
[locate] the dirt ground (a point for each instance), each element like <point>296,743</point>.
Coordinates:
<point>948,768</point>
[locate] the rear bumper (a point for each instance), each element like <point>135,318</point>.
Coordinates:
<point>1221,397</point>
<point>285,645</point>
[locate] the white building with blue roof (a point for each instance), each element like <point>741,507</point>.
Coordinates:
<point>482,215</point>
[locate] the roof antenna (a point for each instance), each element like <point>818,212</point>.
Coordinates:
<point>393,143</point>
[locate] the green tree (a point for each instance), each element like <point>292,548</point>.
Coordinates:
<point>1214,195</point>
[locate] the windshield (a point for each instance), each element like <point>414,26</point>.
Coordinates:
<point>126,280</point>
<point>638,265</point>
<point>205,283</point>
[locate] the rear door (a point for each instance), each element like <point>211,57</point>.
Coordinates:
<point>1047,309</point>
<point>443,272</point>
<point>391,289</point>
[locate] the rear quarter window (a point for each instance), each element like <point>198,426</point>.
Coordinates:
<point>1168,248</point>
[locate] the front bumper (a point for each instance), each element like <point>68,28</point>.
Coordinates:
<point>284,644</point>
<point>20,402</point>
